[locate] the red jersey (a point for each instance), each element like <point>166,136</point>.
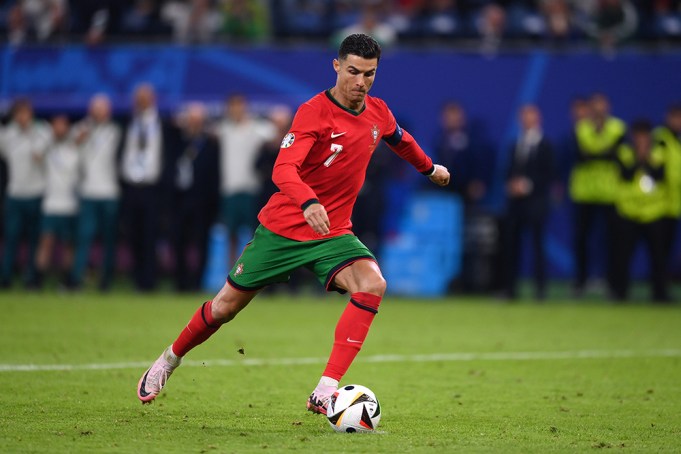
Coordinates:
<point>324,159</point>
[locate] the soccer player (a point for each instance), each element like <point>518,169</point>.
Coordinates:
<point>319,172</point>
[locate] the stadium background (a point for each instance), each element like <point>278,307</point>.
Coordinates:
<point>417,75</point>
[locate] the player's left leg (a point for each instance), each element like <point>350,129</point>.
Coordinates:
<point>366,285</point>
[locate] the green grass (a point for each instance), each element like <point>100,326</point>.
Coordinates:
<point>630,402</point>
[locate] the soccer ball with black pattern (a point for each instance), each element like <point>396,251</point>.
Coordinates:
<point>354,408</point>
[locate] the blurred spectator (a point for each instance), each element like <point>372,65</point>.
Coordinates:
<point>281,117</point>
<point>465,154</point>
<point>37,19</point>
<point>95,20</point>
<point>60,203</point>
<point>192,21</point>
<point>307,18</point>
<point>371,23</point>
<point>99,140</point>
<point>241,137</point>
<point>141,174</point>
<point>609,22</point>
<point>579,110</point>
<point>667,18</point>
<point>491,25</point>
<point>641,207</point>
<point>462,153</point>
<point>143,18</point>
<point>558,19</point>
<point>668,137</point>
<point>403,16</point>
<point>528,185</point>
<point>22,146</point>
<point>345,13</point>
<point>194,167</point>
<point>245,20</point>
<point>441,19</point>
<point>593,183</point>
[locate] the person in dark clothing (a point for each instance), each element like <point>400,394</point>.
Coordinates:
<point>194,170</point>
<point>528,184</point>
<point>142,166</point>
<point>642,205</point>
<point>456,147</point>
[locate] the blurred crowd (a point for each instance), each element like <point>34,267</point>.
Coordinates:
<point>623,178</point>
<point>85,197</point>
<point>486,23</point>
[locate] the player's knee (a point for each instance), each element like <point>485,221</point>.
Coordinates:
<point>375,285</point>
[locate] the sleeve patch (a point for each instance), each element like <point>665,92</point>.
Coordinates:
<point>288,140</point>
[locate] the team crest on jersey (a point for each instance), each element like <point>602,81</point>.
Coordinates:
<point>374,133</point>
<point>239,269</point>
<point>288,140</point>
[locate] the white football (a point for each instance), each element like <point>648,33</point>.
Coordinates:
<point>354,408</point>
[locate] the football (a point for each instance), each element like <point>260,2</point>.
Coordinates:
<point>354,408</point>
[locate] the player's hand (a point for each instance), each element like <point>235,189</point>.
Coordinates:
<point>316,216</point>
<point>441,175</point>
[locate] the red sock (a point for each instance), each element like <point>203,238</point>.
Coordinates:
<point>351,330</point>
<point>200,327</point>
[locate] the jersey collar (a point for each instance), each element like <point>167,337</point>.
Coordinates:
<point>333,100</point>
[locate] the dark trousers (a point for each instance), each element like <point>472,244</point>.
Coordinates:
<point>191,226</point>
<point>22,219</point>
<point>587,215</point>
<point>517,222</point>
<point>96,217</point>
<point>629,234</point>
<point>141,207</point>
<point>670,227</point>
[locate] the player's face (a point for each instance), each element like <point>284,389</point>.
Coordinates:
<point>355,77</point>
<point>642,142</point>
<point>23,116</point>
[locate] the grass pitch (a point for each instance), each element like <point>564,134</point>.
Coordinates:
<point>459,375</point>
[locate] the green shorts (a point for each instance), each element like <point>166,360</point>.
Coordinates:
<point>62,227</point>
<point>270,258</point>
<point>239,210</point>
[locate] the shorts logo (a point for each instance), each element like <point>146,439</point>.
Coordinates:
<point>288,140</point>
<point>239,269</point>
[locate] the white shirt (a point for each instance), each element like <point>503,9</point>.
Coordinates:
<point>240,144</point>
<point>98,159</point>
<point>24,150</point>
<point>142,152</point>
<point>62,177</point>
<point>527,142</point>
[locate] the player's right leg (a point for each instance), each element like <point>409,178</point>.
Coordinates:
<point>205,322</point>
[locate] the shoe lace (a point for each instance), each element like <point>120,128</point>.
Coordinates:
<point>160,375</point>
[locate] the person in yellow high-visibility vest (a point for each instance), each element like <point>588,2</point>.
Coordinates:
<point>642,205</point>
<point>668,137</point>
<point>593,182</point>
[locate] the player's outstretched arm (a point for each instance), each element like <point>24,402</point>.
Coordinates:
<point>441,175</point>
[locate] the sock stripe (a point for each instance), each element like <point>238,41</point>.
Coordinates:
<point>203,316</point>
<point>362,306</point>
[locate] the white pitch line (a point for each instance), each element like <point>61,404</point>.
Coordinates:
<point>435,357</point>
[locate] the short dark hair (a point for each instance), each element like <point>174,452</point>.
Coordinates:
<point>361,45</point>
<point>674,109</point>
<point>641,126</point>
<point>21,104</point>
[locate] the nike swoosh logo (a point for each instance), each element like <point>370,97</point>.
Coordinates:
<point>352,341</point>
<point>333,135</point>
